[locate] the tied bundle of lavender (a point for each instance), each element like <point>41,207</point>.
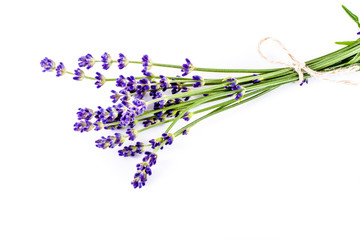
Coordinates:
<point>140,103</point>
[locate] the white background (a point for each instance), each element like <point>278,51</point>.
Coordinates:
<point>286,166</point>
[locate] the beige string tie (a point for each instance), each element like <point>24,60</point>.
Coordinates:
<point>300,67</point>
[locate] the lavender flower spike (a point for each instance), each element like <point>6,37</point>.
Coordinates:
<point>110,141</point>
<point>144,170</point>
<point>48,65</point>
<point>147,64</point>
<point>140,177</point>
<point>132,150</point>
<point>100,80</point>
<point>83,126</point>
<point>107,61</point>
<point>86,61</point>
<point>60,70</point>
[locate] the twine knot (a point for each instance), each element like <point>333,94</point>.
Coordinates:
<point>300,67</point>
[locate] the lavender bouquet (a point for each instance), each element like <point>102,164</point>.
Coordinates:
<point>140,103</point>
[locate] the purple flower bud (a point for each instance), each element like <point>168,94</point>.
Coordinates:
<point>187,116</point>
<point>79,74</point>
<point>160,104</point>
<point>231,80</point>
<point>186,131</point>
<point>115,96</point>
<point>197,84</point>
<point>132,150</point>
<point>236,87</point>
<point>98,125</point>
<point>132,133</point>
<point>156,94</point>
<point>233,86</point>
<point>239,95</point>
<point>256,80</point>
<point>85,113</point>
<point>144,170</point>
<point>60,70</point>
<point>152,159</point>
<point>121,81</point>
<point>135,183</point>
<point>146,61</point>
<point>86,61</point>
<point>168,138</point>
<point>304,81</point>
<point>154,143</point>
<point>106,60</point>
<point>144,81</point>
<point>147,73</point>
<point>83,126</point>
<point>147,64</point>
<point>110,141</point>
<point>123,61</point>
<point>187,67</point>
<point>48,65</point>
<point>176,87</point>
<point>100,80</point>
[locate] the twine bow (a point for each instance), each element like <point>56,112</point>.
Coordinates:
<point>300,67</point>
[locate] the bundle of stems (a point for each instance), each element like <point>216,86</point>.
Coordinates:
<point>143,102</point>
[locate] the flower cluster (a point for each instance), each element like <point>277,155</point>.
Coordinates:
<point>48,65</point>
<point>79,74</point>
<point>123,62</point>
<point>86,61</point>
<point>187,67</point>
<point>118,116</point>
<point>60,70</point>
<point>106,60</point>
<point>100,80</point>
<point>144,170</point>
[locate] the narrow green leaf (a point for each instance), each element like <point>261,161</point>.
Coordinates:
<point>347,43</point>
<point>355,59</point>
<point>353,16</point>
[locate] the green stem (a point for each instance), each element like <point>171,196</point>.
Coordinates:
<point>218,70</point>
<point>195,104</point>
<point>188,94</point>
<point>221,109</point>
